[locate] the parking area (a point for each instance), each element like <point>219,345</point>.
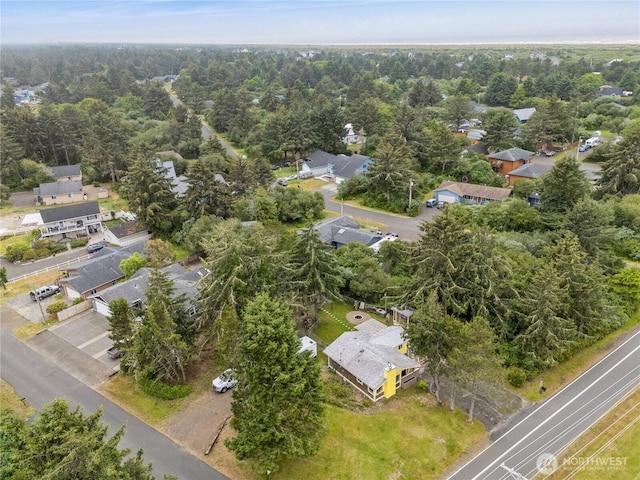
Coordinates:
<point>87,331</point>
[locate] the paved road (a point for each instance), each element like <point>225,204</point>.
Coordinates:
<point>560,419</point>
<point>63,258</point>
<point>406,227</point>
<point>35,378</point>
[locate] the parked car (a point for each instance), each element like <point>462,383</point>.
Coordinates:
<point>224,382</point>
<point>432,202</point>
<point>114,352</point>
<point>44,292</point>
<point>275,167</point>
<point>583,147</point>
<point>550,153</point>
<point>283,182</point>
<point>95,247</point>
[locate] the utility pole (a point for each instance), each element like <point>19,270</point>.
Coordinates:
<point>578,147</point>
<point>35,292</point>
<point>513,473</point>
<point>410,190</point>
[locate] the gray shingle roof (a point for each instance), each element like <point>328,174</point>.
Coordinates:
<point>344,230</point>
<point>135,288</point>
<point>512,155</point>
<point>471,190</point>
<point>59,188</point>
<point>68,212</point>
<point>524,114</point>
<point>64,171</point>
<point>346,167</point>
<point>100,270</point>
<point>127,228</point>
<point>366,356</point>
<point>320,159</point>
<point>531,170</point>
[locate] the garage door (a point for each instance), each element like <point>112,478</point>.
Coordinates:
<point>101,308</point>
<point>446,198</point>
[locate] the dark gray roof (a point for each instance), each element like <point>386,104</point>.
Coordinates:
<point>531,170</point>
<point>68,212</point>
<point>366,356</point>
<point>66,171</point>
<point>344,230</point>
<point>478,148</point>
<point>512,155</point>
<point>135,288</point>
<point>100,270</point>
<point>346,167</point>
<point>320,159</point>
<point>127,228</point>
<point>608,91</point>
<point>59,188</point>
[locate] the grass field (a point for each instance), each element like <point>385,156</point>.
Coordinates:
<point>9,399</point>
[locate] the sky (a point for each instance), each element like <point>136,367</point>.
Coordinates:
<point>318,22</point>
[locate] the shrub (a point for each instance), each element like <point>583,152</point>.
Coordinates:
<point>516,376</point>
<point>414,208</point>
<point>366,402</point>
<point>56,307</point>
<point>15,252</point>
<point>422,385</point>
<point>79,242</point>
<point>163,391</point>
<point>40,252</point>
<point>29,255</point>
<point>78,300</point>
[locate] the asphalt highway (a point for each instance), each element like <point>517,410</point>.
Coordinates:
<point>528,446</point>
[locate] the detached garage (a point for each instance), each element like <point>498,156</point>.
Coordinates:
<point>458,192</point>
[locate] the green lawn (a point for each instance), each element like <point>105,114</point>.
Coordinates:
<point>24,239</point>
<point>329,328</point>
<point>407,438</point>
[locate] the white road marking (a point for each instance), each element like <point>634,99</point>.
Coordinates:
<point>93,340</point>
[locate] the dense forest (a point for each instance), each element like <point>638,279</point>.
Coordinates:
<point>536,284</point>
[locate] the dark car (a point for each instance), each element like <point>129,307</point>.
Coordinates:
<point>283,182</point>
<point>275,167</point>
<point>95,247</point>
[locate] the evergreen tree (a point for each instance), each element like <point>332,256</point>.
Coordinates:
<point>314,271</point>
<point>500,89</point>
<point>150,195</point>
<point>564,186</point>
<point>206,194</point>
<point>121,323</point>
<point>545,333</point>
<point>457,110</point>
<point>500,125</point>
<point>475,366</point>
<point>621,172</point>
<point>432,336</point>
<point>61,443</point>
<point>277,406</point>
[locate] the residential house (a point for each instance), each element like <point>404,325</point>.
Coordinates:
<point>609,91</point>
<point>458,192</point>
<point>165,78</point>
<point>523,114</point>
<point>337,167</point>
<point>529,171</point>
<point>71,221</point>
<point>338,231</point>
<point>505,161</point>
<point>134,289</point>
<point>97,274</point>
<point>351,137</point>
<point>56,193</point>
<point>127,233</point>
<point>179,184</point>
<point>373,359</point>
<point>347,166</point>
<point>67,173</point>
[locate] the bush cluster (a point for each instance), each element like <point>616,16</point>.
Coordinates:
<point>516,376</point>
<point>163,391</point>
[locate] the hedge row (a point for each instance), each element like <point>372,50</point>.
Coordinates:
<point>161,390</point>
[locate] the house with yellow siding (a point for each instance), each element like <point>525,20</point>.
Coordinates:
<point>373,359</point>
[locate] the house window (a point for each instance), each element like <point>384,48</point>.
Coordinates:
<point>398,382</point>
<point>359,381</point>
<point>53,197</point>
<point>94,291</point>
<point>192,311</point>
<point>91,217</point>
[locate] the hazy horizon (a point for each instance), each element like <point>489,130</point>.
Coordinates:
<point>322,23</point>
